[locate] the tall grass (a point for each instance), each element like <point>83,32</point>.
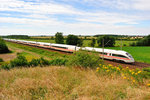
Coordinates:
<point>63,83</point>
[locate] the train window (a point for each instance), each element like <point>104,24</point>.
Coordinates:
<point>117,55</point>
<point>129,55</point>
<point>46,45</point>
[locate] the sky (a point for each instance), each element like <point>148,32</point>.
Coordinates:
<point>78,17</point>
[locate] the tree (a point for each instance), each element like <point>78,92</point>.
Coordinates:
<point>108,41</point>
<point>144,42</point>
<point>59,38</point>
<point>74,40</point>
<point>93,42</point>
<point>3,47</point>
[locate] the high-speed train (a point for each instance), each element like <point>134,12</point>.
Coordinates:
<point>110,54</point>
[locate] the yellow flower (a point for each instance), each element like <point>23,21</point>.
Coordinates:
<point>107,70</point>
<point>148,84</point>
<point>97,68</point>
<point>139,72</point>
<point>127,67</point>
<point>133,81</point>
<point>100,64</point>
<point>110,65</point>
<point>132,73</point>
<point>124,77</point>
<point>118,68</point>
<point>136,73</point>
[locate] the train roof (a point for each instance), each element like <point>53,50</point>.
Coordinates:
<point>105,50</point>
<point>62,45</point>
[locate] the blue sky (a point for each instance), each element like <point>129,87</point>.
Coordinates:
<point>79,17</point>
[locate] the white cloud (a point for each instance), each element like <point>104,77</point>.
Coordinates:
<point>38,16</point>
<point>142,5</point>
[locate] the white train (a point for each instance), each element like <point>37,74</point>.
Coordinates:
<point>110,54</point>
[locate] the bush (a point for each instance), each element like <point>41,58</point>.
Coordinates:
<point>43,61</point>
<point>3,47</point>
<point>85,59</point>
<point>1,60</point>
<point>34,62</point>
<point>58,61</point>
<point>19,61</point>
<point>6,66</point>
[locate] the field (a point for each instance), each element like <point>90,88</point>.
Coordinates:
<point>140,54</point>
<point>63,83</point>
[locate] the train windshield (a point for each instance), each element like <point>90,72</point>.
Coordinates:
<point>129,55</point>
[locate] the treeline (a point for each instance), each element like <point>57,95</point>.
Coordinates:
<point>17,37</point>
<point>107,41</point>
<point>142,42</point>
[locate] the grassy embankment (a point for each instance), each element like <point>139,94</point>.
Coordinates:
<point>63,83</point>
<point>38,51</point>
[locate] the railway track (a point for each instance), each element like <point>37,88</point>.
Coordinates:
<point>135,65</point>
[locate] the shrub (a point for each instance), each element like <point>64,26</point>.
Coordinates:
<point>58,61</point>
<point>6,66</point>
<point>43,61</point>
<point>3,47</point>
<point>1,60</point>
<point>34,62</point>
<point>85,59</point>
<point>19,61</point>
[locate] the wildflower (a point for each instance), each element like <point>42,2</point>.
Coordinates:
<point>118,68</point>
<point>124,77</point>
<point>97,68</point>
<point>139,72</point>
<point>107,71</point>
<point>148,84</point>
<point>132,73</point>
<point>127,67</point>
<point>110,65</point>
<point>133,81</point>
<point>136,73</point>
<point>100,64</point>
